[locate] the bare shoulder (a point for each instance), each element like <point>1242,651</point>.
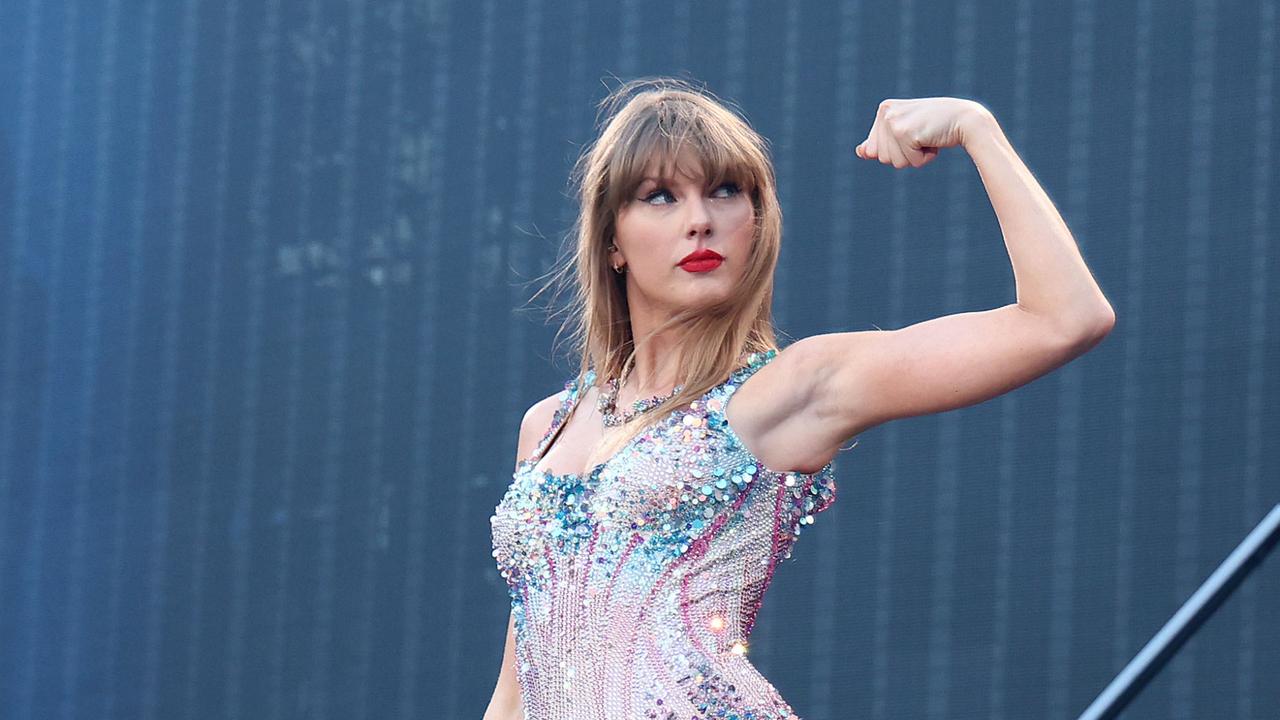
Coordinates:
<point>775,413</point>
<point>534,424</point>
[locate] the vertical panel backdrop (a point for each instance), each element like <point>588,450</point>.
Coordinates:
<point>266,340</point>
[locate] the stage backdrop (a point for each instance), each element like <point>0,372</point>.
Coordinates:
<point>265,345</point>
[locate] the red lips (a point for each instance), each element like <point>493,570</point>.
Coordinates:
<point>703,254</point>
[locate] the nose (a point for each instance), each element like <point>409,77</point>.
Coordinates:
<point>699,218</point>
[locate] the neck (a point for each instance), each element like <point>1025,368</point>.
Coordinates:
<point>657,357</point>
<point>652,371</point>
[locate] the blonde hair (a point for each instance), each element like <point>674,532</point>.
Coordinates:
<point>648,120</point>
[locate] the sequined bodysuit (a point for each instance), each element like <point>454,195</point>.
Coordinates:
<point>635,587</point>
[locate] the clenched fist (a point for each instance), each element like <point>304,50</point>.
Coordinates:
<point>911,131</point>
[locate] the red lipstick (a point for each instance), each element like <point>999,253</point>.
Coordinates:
<point>703,260</point>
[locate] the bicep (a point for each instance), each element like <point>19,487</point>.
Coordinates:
<point>870,377</point>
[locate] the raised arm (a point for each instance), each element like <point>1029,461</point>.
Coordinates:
<point>826,389</point>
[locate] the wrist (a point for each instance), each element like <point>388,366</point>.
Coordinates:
<point>977,125</point>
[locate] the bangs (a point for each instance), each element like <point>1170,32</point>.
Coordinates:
<point>669,131</point>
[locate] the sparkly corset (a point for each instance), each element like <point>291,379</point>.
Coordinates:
<point>634,587</point>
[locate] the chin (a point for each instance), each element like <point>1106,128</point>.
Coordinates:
<point>710,295</point>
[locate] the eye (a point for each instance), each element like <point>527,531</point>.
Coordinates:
<point>659,192</point>
<point>731,186</point>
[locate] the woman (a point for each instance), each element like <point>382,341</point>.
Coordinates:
<point>638,544</point>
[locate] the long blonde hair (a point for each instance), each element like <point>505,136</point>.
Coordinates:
<point>652,119</point>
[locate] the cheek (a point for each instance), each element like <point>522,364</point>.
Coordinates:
<point>737,218</point>
<point>739,223</point>
<point>743,235</point>
<point>641,228</point>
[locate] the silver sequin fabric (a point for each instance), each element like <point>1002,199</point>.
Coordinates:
<point>634,587</point>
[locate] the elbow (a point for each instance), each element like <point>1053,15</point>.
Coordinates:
<point>1099,323</point>
<point>1085,331</point>
<point>1104,321</point>
<point>1078,329</point>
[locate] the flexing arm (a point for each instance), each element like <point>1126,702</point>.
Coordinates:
<point>825,389</point>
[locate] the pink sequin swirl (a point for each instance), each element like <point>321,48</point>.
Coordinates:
<point>634,588</point>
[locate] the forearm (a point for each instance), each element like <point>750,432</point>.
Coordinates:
<point>1052,279</point>
<point>506,703</point>
<point>499,710</point>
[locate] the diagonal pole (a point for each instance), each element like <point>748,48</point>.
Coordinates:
<point>1247,555</point>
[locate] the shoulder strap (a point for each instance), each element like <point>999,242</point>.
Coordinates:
<point>755,361</point>
<point>569,397</point>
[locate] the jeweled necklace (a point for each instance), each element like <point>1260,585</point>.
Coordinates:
<point>607,401</point>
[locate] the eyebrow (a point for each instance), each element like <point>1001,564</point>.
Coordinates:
<point>660,181</point>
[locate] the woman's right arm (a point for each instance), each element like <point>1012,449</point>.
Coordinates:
<point>506,703</point>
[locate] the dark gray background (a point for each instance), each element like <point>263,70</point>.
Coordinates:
<point>264,346</point>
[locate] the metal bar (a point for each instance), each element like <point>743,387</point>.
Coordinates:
<point>1157,652</point>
